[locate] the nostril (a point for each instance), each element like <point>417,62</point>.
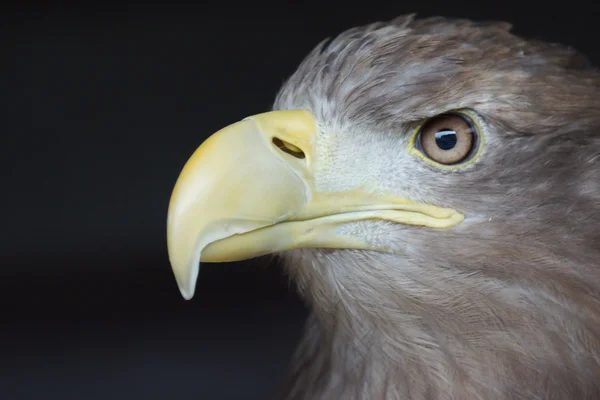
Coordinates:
<point>288,148</point>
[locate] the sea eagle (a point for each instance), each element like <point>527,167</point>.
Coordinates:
<point>432,187</point>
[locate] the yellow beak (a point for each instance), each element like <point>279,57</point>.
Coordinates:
<point>249,190</point>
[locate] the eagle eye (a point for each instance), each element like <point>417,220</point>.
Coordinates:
<point>448,139</point>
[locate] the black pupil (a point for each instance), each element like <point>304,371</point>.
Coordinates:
<point>446,139</point>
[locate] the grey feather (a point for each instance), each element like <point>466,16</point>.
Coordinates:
<point>506,305</point>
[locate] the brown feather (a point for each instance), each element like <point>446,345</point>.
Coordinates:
<point>507,304</point>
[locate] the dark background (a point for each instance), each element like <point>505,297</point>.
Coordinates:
<point>101,107</point>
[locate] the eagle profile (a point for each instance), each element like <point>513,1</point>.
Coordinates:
<point>433,189</point>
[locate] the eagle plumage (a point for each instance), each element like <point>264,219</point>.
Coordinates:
<point>506,306</point>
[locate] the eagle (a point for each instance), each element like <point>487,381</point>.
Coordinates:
<point>432,188</point>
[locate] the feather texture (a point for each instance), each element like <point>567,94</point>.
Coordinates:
<point>506,305</point>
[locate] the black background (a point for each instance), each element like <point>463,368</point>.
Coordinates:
<point>101,107</point>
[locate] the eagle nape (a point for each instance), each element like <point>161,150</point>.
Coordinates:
<point>432,187</point>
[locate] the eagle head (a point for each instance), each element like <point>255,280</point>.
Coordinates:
<point>433,188</point>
